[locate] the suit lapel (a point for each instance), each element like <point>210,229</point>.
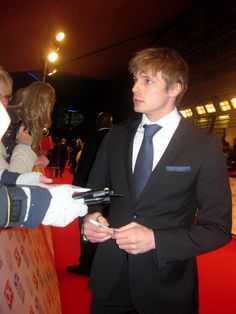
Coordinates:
<point>129,155</point>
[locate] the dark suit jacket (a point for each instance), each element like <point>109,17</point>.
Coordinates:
<point>190,176</point>
<point>87,157</point>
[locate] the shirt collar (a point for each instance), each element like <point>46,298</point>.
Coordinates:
<point>168,122</point>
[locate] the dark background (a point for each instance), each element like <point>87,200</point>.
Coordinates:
<point>204,33</point>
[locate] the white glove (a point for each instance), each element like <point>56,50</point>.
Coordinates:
<point>63,208</point>
<point>29,178</point>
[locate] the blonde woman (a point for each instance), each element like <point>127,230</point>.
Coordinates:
<point>15,155</point>
<point>34,108</point>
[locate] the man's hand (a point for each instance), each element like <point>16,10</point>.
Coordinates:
<point>134,238</point>
<point>94,233</point>
<point>23,136</point>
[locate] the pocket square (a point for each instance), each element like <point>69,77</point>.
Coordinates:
<point>178,168</point>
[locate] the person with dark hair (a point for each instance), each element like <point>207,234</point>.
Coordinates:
<point>62,156</point>
<point>88,154</point>
<point>175,201</point>
<point>90,148</point>
<point>232,155</point>
<point>75,155</point>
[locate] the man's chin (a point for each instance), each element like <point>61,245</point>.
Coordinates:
<point>138,109</point>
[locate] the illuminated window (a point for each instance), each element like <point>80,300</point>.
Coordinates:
<point>203,120</point>
<point>222,121</point>
<point>224,105</point>
<point>189,112</point>
<point>233,102</point>
<point>200,110</point>
<point>224,117</point>
<point>186,113</point>
<point>210,108</point>
<point>183,113</point>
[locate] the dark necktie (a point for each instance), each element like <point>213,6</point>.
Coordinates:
<point>144,161</point>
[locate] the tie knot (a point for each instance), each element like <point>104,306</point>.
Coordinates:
<point>151,129</point>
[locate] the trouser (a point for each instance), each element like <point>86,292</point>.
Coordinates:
<point>119,302</point>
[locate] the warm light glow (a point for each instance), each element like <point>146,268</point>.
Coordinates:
<point>210,108</point>
<point>233,102</point>
<point>224,117</point>
<point>203,120</point>
<point>224,105</point>
<point>53,56</point>
<point>200,109</point>
<point>186,113</point>
<point>189,112</point>
<point>60,36</point>
<point>183,113</point>
<point>52,72</point>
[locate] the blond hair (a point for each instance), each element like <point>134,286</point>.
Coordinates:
<point>172,66</point>
<point>34,108</point>
<point>6,79</point>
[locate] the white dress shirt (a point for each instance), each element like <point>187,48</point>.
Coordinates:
<point>161,139</point>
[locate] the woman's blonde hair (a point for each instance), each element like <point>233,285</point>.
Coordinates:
<point>34,106</point>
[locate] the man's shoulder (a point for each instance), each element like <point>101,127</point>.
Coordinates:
<point>197,134</point>
<point>126,125</point>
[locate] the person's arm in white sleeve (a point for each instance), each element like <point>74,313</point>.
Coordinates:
<point>28,206</point>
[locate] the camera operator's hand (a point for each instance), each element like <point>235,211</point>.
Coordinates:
<point>63,208</point>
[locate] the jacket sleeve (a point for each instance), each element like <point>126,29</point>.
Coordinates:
<point>212,228</point>
<point>21,206</point>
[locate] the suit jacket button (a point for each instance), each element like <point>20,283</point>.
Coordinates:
<point>135,216</point>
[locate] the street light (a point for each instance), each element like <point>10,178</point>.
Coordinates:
<point>51,54</point>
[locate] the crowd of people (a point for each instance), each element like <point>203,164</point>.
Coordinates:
<point>22,205</point>
<point>174,198</point>
<point>229,152</point>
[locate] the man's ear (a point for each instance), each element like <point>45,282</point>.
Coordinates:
<point>175,89</point>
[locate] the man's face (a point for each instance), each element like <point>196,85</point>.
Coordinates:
<point>5,94</point>
<point>151,97</point>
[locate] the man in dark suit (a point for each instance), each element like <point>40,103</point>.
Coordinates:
<point>148,264</point>
<point>88,154</point>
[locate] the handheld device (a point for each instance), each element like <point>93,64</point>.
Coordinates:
<point>96,197</point>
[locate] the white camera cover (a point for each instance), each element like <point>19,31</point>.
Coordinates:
<point>5,120</point>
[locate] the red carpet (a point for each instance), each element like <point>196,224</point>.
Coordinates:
<point>217,273</point>
<point>75,295</point>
